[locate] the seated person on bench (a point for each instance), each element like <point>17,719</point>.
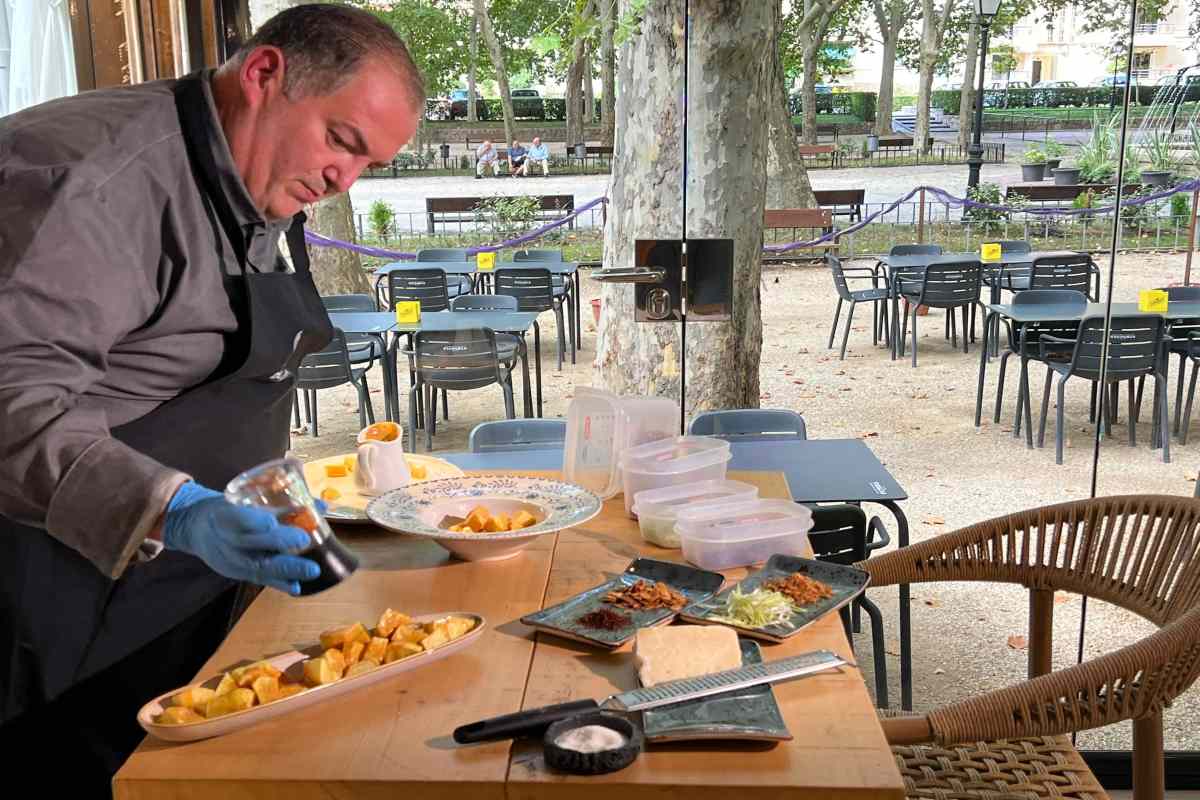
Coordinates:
<point>537,152</point>
<point>486,156</point>
<point>516,158</point>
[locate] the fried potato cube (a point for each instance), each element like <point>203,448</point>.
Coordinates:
<point>399,650</point>
<point>455,529</point>
<point>376,649</point>
<point>389,620</point>
<point>336,637</point>
<point>366,665</point>
<point>335,470</point>
<point>497,524</point>
<point>439,637</point>
<point>418,471</point>
<point>337,661</point>
<point>193,697</point>
<point>289,689</point>
<point>350,462</point>
<point>245,676</point>
<point>457,626</point>
<point>318,671</point>
<point>235,700</point>
<point>478,518</point>
<point>178,715</point>
<point>329,494</point>
<point>266,689</point>
<point>227,685</point>
<point>409,633</point>
<point>352,652</point>
<point>523,519</point>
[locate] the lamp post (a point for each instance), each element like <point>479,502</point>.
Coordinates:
<point>985,11</point>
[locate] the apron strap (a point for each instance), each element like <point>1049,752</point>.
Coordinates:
<point>296,245</point>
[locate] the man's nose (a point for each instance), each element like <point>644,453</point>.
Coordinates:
<point>339,178</point>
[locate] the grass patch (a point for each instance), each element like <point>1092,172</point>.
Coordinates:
<point>831,119</point>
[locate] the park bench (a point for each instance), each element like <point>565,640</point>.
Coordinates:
<point>818,151</point>
<point>597,152</point>
<point>1051,194</point>
<point>463,209</point>
<point>801,223</point>
<point>844,202</point>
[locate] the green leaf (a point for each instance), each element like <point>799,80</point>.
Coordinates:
<point>545,44</point>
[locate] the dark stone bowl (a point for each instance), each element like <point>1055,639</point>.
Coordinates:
<point>578,763</point>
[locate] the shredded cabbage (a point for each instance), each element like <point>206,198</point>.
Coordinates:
<point>758,609</point>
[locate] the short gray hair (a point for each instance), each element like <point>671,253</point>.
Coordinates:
<point>324,45</point>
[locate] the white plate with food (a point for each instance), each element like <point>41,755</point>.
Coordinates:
<point>347,659</point>
<point>332,480</point>
<point>485,518</point>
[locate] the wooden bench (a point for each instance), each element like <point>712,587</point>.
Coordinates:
<point>797,220</point>
<point>816,151</point>
<point>844,202</point>
<point>597,152</point>
<point>1046,193</point>
<point>463,209</point>
<point>894,142</point>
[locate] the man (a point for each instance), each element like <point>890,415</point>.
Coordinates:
<point>516,159</point>
<point>149,338</point>
<point>538,153</point>
<point>485,156</point>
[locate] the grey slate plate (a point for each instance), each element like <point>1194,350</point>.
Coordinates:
<point>747,714</point>
<point>694,584</point>
<point>846,582</point>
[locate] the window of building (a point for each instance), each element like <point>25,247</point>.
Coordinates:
<point>37,57</point>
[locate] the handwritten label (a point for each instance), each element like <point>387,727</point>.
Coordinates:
<point>408,312</point>
<point>485,261</point>
<point>989,251</point>
<point>1152,301</point>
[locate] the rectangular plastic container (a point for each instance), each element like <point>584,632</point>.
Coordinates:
<point>671,462</point>
<point>657,509</point>
<point>730,535</point>
<point>602,426</point>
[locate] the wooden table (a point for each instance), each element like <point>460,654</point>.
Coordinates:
<point>393,739</point>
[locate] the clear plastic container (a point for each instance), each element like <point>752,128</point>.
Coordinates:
<point>657,509</point>
<point>671,462</point>
<point>730,535</point>
<point>601,426</point>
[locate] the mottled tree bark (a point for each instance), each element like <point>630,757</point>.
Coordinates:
<point>966,98</point>
<point>728,81</point>
<point>608,71</point>
<point>589,88</point>
<point>891,18</point>
<point>933,26</point>
<point>576,115</point>
<point>497,56</point>
<point>472,102</point>
<point>787,178</point>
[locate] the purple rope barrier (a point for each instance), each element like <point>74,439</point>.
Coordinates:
<point>317,240</point>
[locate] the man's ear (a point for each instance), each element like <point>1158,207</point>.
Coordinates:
<point>262,75</point>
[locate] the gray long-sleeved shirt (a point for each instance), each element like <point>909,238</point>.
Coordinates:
<point>111,303</point>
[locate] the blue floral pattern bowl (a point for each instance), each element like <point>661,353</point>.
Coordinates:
<point>420,510</point>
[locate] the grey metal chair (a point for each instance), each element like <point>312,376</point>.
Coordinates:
<point>948,285</point>
<point>1002,273</point>
<point>1184,341</point>
<point>517,434</point>
<point>538,255</point>
<point>456,361</point>
<point>1136,348</point>
<point>1073,271</point>
<point>330,367</point>
<point>563,286</point>
<point>362,346</point>
<point>460,284</point>
<point>750,424</point>
<point>505,342</point>
<point>534,290</point>
<point>425,286</point>
<point>878,296</point>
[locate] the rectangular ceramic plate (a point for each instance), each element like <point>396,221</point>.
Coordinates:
<point>290,663</point>
<point>746,714</point>
<point>846,583</point>
<point>695,584</point>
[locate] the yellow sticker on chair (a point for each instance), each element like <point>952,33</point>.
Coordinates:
<point>1152,301</point>
<point>989,251</point>
<point>408,312</point>
<point>485,261</point>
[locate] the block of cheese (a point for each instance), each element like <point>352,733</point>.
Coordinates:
<point>685,651</point>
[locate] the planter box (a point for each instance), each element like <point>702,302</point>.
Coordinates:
<point>1157,178</point>
<point>1066,176</point>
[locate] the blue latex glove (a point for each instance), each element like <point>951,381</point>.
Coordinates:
<point>240,542</point>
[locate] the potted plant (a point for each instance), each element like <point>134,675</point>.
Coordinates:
<point>1033,165</point>
<point>1055,150</point>
<point>1085,200</point>
<point>1066,176</point>
<point>1096,160</point>
<point>1158,150</point>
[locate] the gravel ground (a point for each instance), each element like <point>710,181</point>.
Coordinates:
<point>919,423</point>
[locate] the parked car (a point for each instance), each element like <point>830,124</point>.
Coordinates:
<point>1053,94</point>
<point>458,105</point>
<point>1115,80</point>
<point>528,103</point>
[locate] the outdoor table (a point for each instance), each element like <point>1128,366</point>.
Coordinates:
<point>816,470</point>
<point>1022,315</point>
<point>393,739</point>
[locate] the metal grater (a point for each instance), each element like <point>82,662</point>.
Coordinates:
<point>720,682</point>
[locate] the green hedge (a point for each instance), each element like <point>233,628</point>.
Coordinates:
<point>1083,96</point>
<point>860,105</point>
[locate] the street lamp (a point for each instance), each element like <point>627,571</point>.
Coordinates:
<point>985,11</point>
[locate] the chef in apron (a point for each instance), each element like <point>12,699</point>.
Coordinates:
<point>150,335</point>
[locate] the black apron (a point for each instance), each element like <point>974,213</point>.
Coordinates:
<point>61,619</point>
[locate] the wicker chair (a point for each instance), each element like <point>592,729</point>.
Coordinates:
<point>1139,552</point>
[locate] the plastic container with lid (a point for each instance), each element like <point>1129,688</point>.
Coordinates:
<point>601,426</point>
<point>721,536</point>
<point>657,509</point>
<point>671,462</point>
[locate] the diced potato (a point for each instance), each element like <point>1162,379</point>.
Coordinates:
<point>399,650</point>
<point>337,637</point>
<point>266,689</point>
<point>365,665</point>
<point>457,626</point>
<point>389,620</point>
<point>289,689</point>
<point>478,518</point>
<point>245,676</point>
<point>178,715</point>
<point>318,671</point>
<point>352,651</point>
<point>409,633</point>
<point>194,697</point>
<point>335,470</point>
<point>418,471</point>
<point>455,529</point>
<point>523,519</point>
<point>497,523</point>
<point>350,462</point>
<point>227,685</point>
<point>438,637</point>
<point>376,649</point>
<point>337,661</point>
<point>234,700</point>
<point>329,494</point>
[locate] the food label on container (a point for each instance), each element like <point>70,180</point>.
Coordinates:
<point>408,312</point>
<point>989,251</point>
<point>485,261</point>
